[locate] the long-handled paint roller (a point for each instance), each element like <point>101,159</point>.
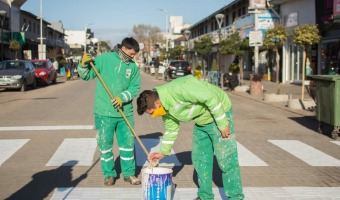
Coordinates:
<point>121,112</point>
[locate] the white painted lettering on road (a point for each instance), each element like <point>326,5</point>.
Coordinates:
<point>306,153</point>
<point>9,146</point>
<point>47,128</point>
<point>80,150</point>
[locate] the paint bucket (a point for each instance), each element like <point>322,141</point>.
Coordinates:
<point>157,183</point>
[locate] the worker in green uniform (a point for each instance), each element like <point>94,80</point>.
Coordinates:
<point>185,99</point>
<point>121,75</point>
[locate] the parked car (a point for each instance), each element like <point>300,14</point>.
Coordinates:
<point>177,68</point>
<point>17,74</point>
<point>44,71</point>
<point>160,70</point>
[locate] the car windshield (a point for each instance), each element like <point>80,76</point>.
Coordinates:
<point>39,64</point>
<point>8,65</point>
<point>177,64</point>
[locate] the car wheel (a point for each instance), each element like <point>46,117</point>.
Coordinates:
<point>34,84</point>
<point>54,81</point>
<point>23,87</point>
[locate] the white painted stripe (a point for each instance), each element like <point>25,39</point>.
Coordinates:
<point>9,146</point>
<point>221,117</point>
<point>251,193</point>
<point>247,158</point>
<point>167,142</point>
<point>306,153</point>
<point>124,158</point>
<point>47,128</point>
<point>80,150</point>
<point>126,149</point>
<point>217,107</point>
<point>153,145</point>
<point>336,142</point>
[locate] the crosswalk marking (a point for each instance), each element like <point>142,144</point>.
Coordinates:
<point>306,153</point>
<point>47,128</point>
<point>79,150</point>
<point>336,142</point>
<point>251,193</point>
<point>152,145</point>
<point>9,146</point>
<point>247,158</point>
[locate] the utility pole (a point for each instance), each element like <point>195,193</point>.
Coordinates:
<point>42,48</point>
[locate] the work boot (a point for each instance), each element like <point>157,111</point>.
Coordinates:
<point>132,180</point>
<point>109,181</point>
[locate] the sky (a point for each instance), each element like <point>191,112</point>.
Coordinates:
<point>113,20</point>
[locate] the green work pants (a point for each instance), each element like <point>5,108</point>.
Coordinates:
<point>106,127</point>
<point>207,141</point>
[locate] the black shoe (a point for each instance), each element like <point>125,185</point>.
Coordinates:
<point>197,198</point>
<point>109,181</point>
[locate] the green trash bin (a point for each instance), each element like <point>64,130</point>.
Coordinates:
<point>328,102</point>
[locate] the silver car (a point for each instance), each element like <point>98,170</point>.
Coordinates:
<point>17,74</point>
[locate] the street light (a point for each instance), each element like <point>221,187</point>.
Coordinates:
<point>166,31</point>
<point>187,35</point>
<point>219,18</point>
<point>2,18</point>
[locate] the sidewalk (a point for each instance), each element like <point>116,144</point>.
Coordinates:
<point>293,90</point>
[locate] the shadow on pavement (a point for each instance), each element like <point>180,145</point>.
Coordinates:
<point>43,183</point>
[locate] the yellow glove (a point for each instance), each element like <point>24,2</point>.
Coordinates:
<point>117,102</point>
<point>86,59</point>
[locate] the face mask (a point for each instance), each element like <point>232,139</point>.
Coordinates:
<point>158,112</point>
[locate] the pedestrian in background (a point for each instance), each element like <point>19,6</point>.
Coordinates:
<point>156,67</point>
<point>185,99</point>
<point>121,74</point>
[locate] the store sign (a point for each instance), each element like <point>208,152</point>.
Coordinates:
<point>257,4</point>
<point>267,20</point>
<point>255,38</point>
<point>291,19</point>
<point>336,7</point>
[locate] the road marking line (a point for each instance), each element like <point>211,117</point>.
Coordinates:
<point>306,153</point>
<point>74,152</point>
<point>251,193</point>
<point>247,158</point>
<point>152,145</point>
<point>47,128</point>
<point>9,146</point>
<point>336,142</point>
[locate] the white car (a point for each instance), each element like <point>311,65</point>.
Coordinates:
<point>160,71</point>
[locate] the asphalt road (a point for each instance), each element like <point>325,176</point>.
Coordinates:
<point>281,154</point>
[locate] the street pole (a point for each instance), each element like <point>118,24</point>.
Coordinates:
<point>85,38</point>
<point>166,31</point>
<point>187,35</point>
<point>42,55</point>
<point>256,50</point>
<point>2,16</point>
<point>219,19</point>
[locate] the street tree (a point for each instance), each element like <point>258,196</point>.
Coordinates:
<point>15,46</point>
<point>305,36</point>
<point>273,40</point>
<point>203,47</point>
<point>234,45</point>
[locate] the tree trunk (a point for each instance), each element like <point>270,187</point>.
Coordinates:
<point>303,74</point>
<point>241,69</point>
<point>277,71</point>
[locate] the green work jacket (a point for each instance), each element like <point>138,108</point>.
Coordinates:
<point>186,99</point>
<point>122,79</point>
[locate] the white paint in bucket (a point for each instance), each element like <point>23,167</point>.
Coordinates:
<point>157,183</point>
